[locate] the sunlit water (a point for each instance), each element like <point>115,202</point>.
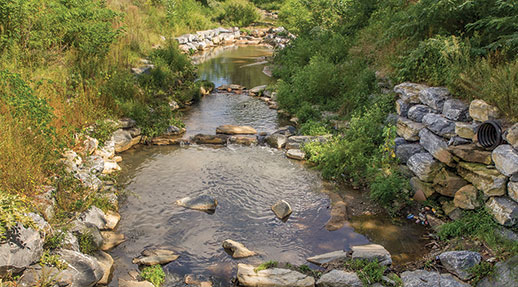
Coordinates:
<point>246,181</point>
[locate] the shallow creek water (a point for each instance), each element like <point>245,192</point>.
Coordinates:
<point>246,181</point>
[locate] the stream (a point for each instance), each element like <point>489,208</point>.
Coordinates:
<point>246,181</point>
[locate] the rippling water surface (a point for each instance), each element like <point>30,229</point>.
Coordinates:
<point>246,181</point>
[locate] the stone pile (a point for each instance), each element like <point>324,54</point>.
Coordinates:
<point>438,143</point>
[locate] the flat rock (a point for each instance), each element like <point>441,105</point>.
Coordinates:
<point>466,197</point>
<point>439,125</point>
<point>490,181</point>
<point>405,151</point>
<point>243,140</point>
<point>434,97</point>
<point>152,257</point>
<point>339,278</point>
<point>456,110</point>
<point>417,112</point>
<point>274,277</point>
<point>422,278</point>
<point>436,146</point>
<point>203,202</point>
<point>111,240</point>
<point>424,166</point>
<point>83,271</point>
<point>328,257</point>
<point>504,210</point>
<point>296,154</point>
<point>372,252</point>
<point>282,209</point>
<point>210,139</point>
<point>134,283</point>
<point>481,111</point>
<point>465,130</point>
<point>257,90</point>
<point>123,140</point>
<point>238,250</point>
<point>409,92</point>
<point>471,153</point>
<point>407,129</point>
<point>235,130</point>
<point>504,275</point>
<point>506,159</point>
<point>277,140</point>
<point>448,183</point>
<point>23,248</point>
<point>338,216</point>
<point>168,140</point>
<point>459,262</point>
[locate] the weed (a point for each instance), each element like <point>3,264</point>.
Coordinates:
<point>369,272</point>
<point>266,265</point>
<point>13,210</point>
<point>481,271</point>
<point>154,274</point>
<point>52,260</point>
<point>86,243</point>
<point>55,240</point>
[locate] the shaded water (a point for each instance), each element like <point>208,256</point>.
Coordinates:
<point>246,181</point>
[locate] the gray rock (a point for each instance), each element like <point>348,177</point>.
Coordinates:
<point>328,257</point>
<point>133,283</point>
<point>372,252</point>
<point>94,216</point>
<point>466,197</point>
<point>434,97</point>
<point>402,108</point>
<point>506,159</point>
<point>506,234</point>
<point>277,140</point>
<point>421,278</point>
<point>409,92</point>
<point>424,166</point>
<point>455,141</point>
<point>238,250</point>
<point>391,119</point>
<point>257,90</point>
<point>339,278</point>
<point>282,209</point>
<point>36,273</point>
<point>202,202</point>
<point>405,151</point>
<point>471,153</point>
<point>70,242</point>
<point>436,146</point>
<point>439,125</point>
<point>87,229</point>
<point>286,130</point>
<point>505,274</point>
<point>296,154</point>
<point>456,110</point>
<point>400,141</point>
<point>417,112</point>
<point>459,262</point>
<point>94,164</point>
<point>122,140</point>
<point>83,270</point>
<point>504,210</point>
<point>273,277</point>
<point>127,123</point>
<point>152,257</point>
<point>22,248</point>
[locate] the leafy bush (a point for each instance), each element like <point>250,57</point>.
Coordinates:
<point>312,128</point>
<point>13,210</point>
<point>370,272</point>
<point>86,243</point>
<point>239,13</point>
<point>154,274</point>
<point>481,271</point>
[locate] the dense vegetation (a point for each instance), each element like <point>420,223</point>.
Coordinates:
<point>65,66</point>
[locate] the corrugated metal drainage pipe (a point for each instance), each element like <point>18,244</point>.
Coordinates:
<point>489,134</point>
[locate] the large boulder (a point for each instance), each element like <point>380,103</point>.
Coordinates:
<point>372,252</point>
<point>237,250</point>
<point>407,129</point>
<point>456,110</point>
<point>277,140</point>
<point>409,92</point>
<point>504,210</point>
<point>490,181</point>
<point>511,136</point>
<point>447,183</point>
<point>436,146</point>
<point>274,277</point>
<point>505,274</point>
<point>339,278</point>
<point>203,202</point>
<point>471,153</point>
<point>417,112</point>
<point>439,125</point>
<point>236,130</point>
<point>405,151</point>
<point>422,278</point>
<point>152,257</point>
<point>460,262</point>
<point>465,130</point>
<point>434,97</point>
<point>83,270</point>
<point>22,248</point>
<point>424,166</point>
<point>481,111</point>
<point>466,198</point>
<point>506,159</point>
<point>328,257</point>
<point>282,209</point>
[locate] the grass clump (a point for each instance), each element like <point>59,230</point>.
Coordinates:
<point>370,272</point>
<point>266,265</point>
<point>86,242</point>
<point>154,274</point>
<point>52,260</point>
<point>480,271</point>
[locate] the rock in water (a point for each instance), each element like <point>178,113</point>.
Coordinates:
<point>328,257</point>
<point>202,202</point>
<point>155,256</point>
<point>282,209</point>
<point>238,249</point>
<point>236,130</point>
<point>296,154</point>
<point>274,277</point>
<point>125,283</point>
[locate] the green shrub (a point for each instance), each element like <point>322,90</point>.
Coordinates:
<point>86,243</point>
<point>154,274</point>
<point>54,241</point>
<point>295,16</point>
<point>13,210</point>
<point>312,128</point>
<point>480,271</point>
<point>239,13</point>
<point>52,260</point>
<point>370,272</point>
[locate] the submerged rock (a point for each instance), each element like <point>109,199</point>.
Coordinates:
<point>155,256</point>
<point>238,249</point>
<point>236,130</point>
<point>339,278</point>
<point>274,277</point>
<point>203,202</point>
<point>282,209</point>
<point>277,140</point>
